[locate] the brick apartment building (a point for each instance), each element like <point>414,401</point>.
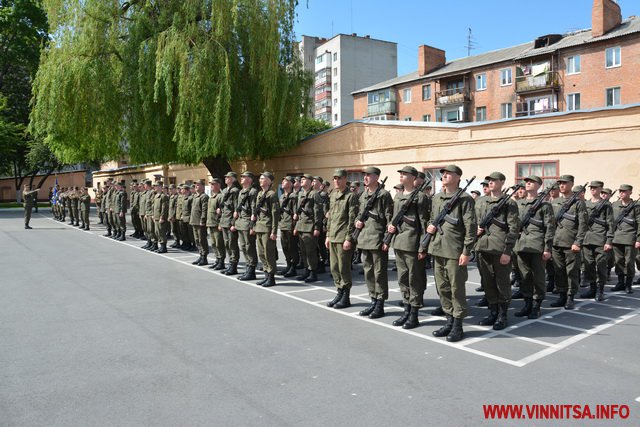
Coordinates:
<point>584,69</point>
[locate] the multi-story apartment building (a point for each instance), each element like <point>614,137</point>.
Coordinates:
<point>341,65</point>
<point>556,72</point>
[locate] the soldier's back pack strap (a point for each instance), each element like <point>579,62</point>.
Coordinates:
<point>594,218</point>
<point>444,213</point>
<point>622,217</point>
<point>562,213</point>
<point>401,216</point>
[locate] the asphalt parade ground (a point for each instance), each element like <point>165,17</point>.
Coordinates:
<point>99,332</point>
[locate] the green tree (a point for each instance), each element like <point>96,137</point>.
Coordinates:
<point>170,81</point>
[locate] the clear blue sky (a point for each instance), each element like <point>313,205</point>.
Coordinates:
<point>444,24</point>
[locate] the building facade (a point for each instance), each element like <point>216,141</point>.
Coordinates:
<point>341,65</point>
<point>556,72</point>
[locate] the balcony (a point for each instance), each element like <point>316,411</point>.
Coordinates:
<point>525,109</point>
<point>385,107</point>
<point>452,96</point>
<point>324,94</point>
<point>544,81</point>
<point>323,110</point>
<point>323,77</point>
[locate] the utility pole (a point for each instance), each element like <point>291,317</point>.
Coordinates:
<point>470,43</point>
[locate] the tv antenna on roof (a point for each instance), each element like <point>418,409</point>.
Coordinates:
<point>471,44</point>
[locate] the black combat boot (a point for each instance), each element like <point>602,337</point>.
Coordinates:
<point>378,310</point>
<point>203,261</point>
<point>405,316</point>
<point>336,298</point>
<point>456,333</point>
<point>214,264</point>
<point>637,281</point>
<point>249,273</point>
<point>412,321</point>
<point>445,329</point>
<point>600,292</point>
<point>367,311</point>
<point>232,270</point>
<point>175,244</point>
<point>265,280</point>
<point>561,301</point>
<point>570,304</point>
<point>438,311</point>
<point>492,317</point>
<point>291,272</point>
<point>400,303</point>
<point>627,285</point>
<point>480,288</point>
<point>483,302</point>
<point>271,281</point>
<point>535,309</point>
<point>313,277</point>
<point>501,322</point>
<point>591,293</point>
<point>304,275</point>
<point>220,265</point>
<point>162,249</point>
<point>121,238</point>
<point>107,234</point>
<point>196,262</point>
<point>284,270</point>
<point>146,245</point>
<point>620,285</point>
<point>154,247</point>
<point>526,309</point>
<point>517,294</point>
<point>344,301</point>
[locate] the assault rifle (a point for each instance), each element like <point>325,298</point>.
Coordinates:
<point>597,210</point>
<point>622,217</point>
<point>367,209</point>
<point>258,208</point>
<point>401,216</point>
<point>285,206</point>
<point>241,205</point>
<point>562,213</point>
<point>529,216</point>
<point>491,216</point>
<point>444,215</point>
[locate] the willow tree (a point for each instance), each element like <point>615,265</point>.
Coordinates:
<point>170,81</point>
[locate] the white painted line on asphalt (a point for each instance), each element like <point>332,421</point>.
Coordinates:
<point>531,340</point>
<point>638,399</point>
<point>563,326</point>
<point>626,296</point>
<point>591,315</point>
<point>299,290</point>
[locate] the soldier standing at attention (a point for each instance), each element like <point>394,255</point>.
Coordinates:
<point>120,212</point>
<point>105,207</point>
<point>567,243</point>
<point>297,187</point>
<point>160,218</point>
<point>370,242</point>
<point>214,210</point>
<point>308,219</point>
<point>494,249</point>
<point>287,239</point>
<point>29,198</point>
<point>266,217</point>
<point>451,248</point>
<point>198,221</point>
<point>98,201</point>
<point>173,210</point>
<point>626,240</point>
<point>185,217</point>
<point>74,206</point>
<point>597,242</point>
<point>320,189</point>
<point>405,243</point>
<point>533,248</point>
<point>142,209</point>
<point>85,205</point>
<point>135,209</point>
<point>229,233</point>
<point>242,216</point>
<point>341,219</point>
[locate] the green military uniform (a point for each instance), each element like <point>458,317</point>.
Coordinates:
<point>267,216</point>
<point>309,214</point>
<point>198,222</point>
<point>69,206</point>
<point>571,230</point>
<point>375,261</point>
<point>85,206</point>
<point>142,211</point>
<point>135,212</point>
<point>185,217</point>
<point>625,238</point>
<point>161,218</point>
<point>456,237</point>
<point>229,203</point>
<point>120,212</point>
<point>341,218</point>
<point>497,240</point>
<point>29,199</point>
<point>98,200</point>
<point>104,208</point>
<point>535,239</point>
<point>289,242</point>
<point>247,240</point>
<point>174,202</point>
<point>214,210</point>
<point>599,233</point>
<point>323,197</point>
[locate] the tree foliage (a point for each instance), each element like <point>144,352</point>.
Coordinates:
<point>170,80</point>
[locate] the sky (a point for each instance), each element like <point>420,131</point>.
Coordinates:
<point>444,24</point>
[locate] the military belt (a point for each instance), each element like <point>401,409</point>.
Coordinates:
<point>601,222</point>
<point>629,221</point>
<point>374,215</point>
<point>408,220</point>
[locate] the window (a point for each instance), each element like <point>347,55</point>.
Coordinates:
<point>426,92</point>
<point>505,77</point>
<point>406,95</point>
<point>335,87</point>
<point>548,171</point>
<point>481,114</point>
<point>481,81</point>
<point>354,176</point>
<point>573,101</point>
<point>335,71</point>
<point>613,96</point>
<point>573,64</point>
<point>335,56</point>
<point>506,110</point>
<point>612,57</point>
<point>407,119</point>
<point>435,176</point>
<point>319,59</point>
<point>426,117</point>
<point>335,101</point>
<point>335,117</point>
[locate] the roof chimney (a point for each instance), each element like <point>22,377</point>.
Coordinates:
<point>430,58</point>
<point>605,16</point>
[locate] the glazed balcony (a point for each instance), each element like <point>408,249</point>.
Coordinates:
<point>541,82</point>
<point>454,96</point>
